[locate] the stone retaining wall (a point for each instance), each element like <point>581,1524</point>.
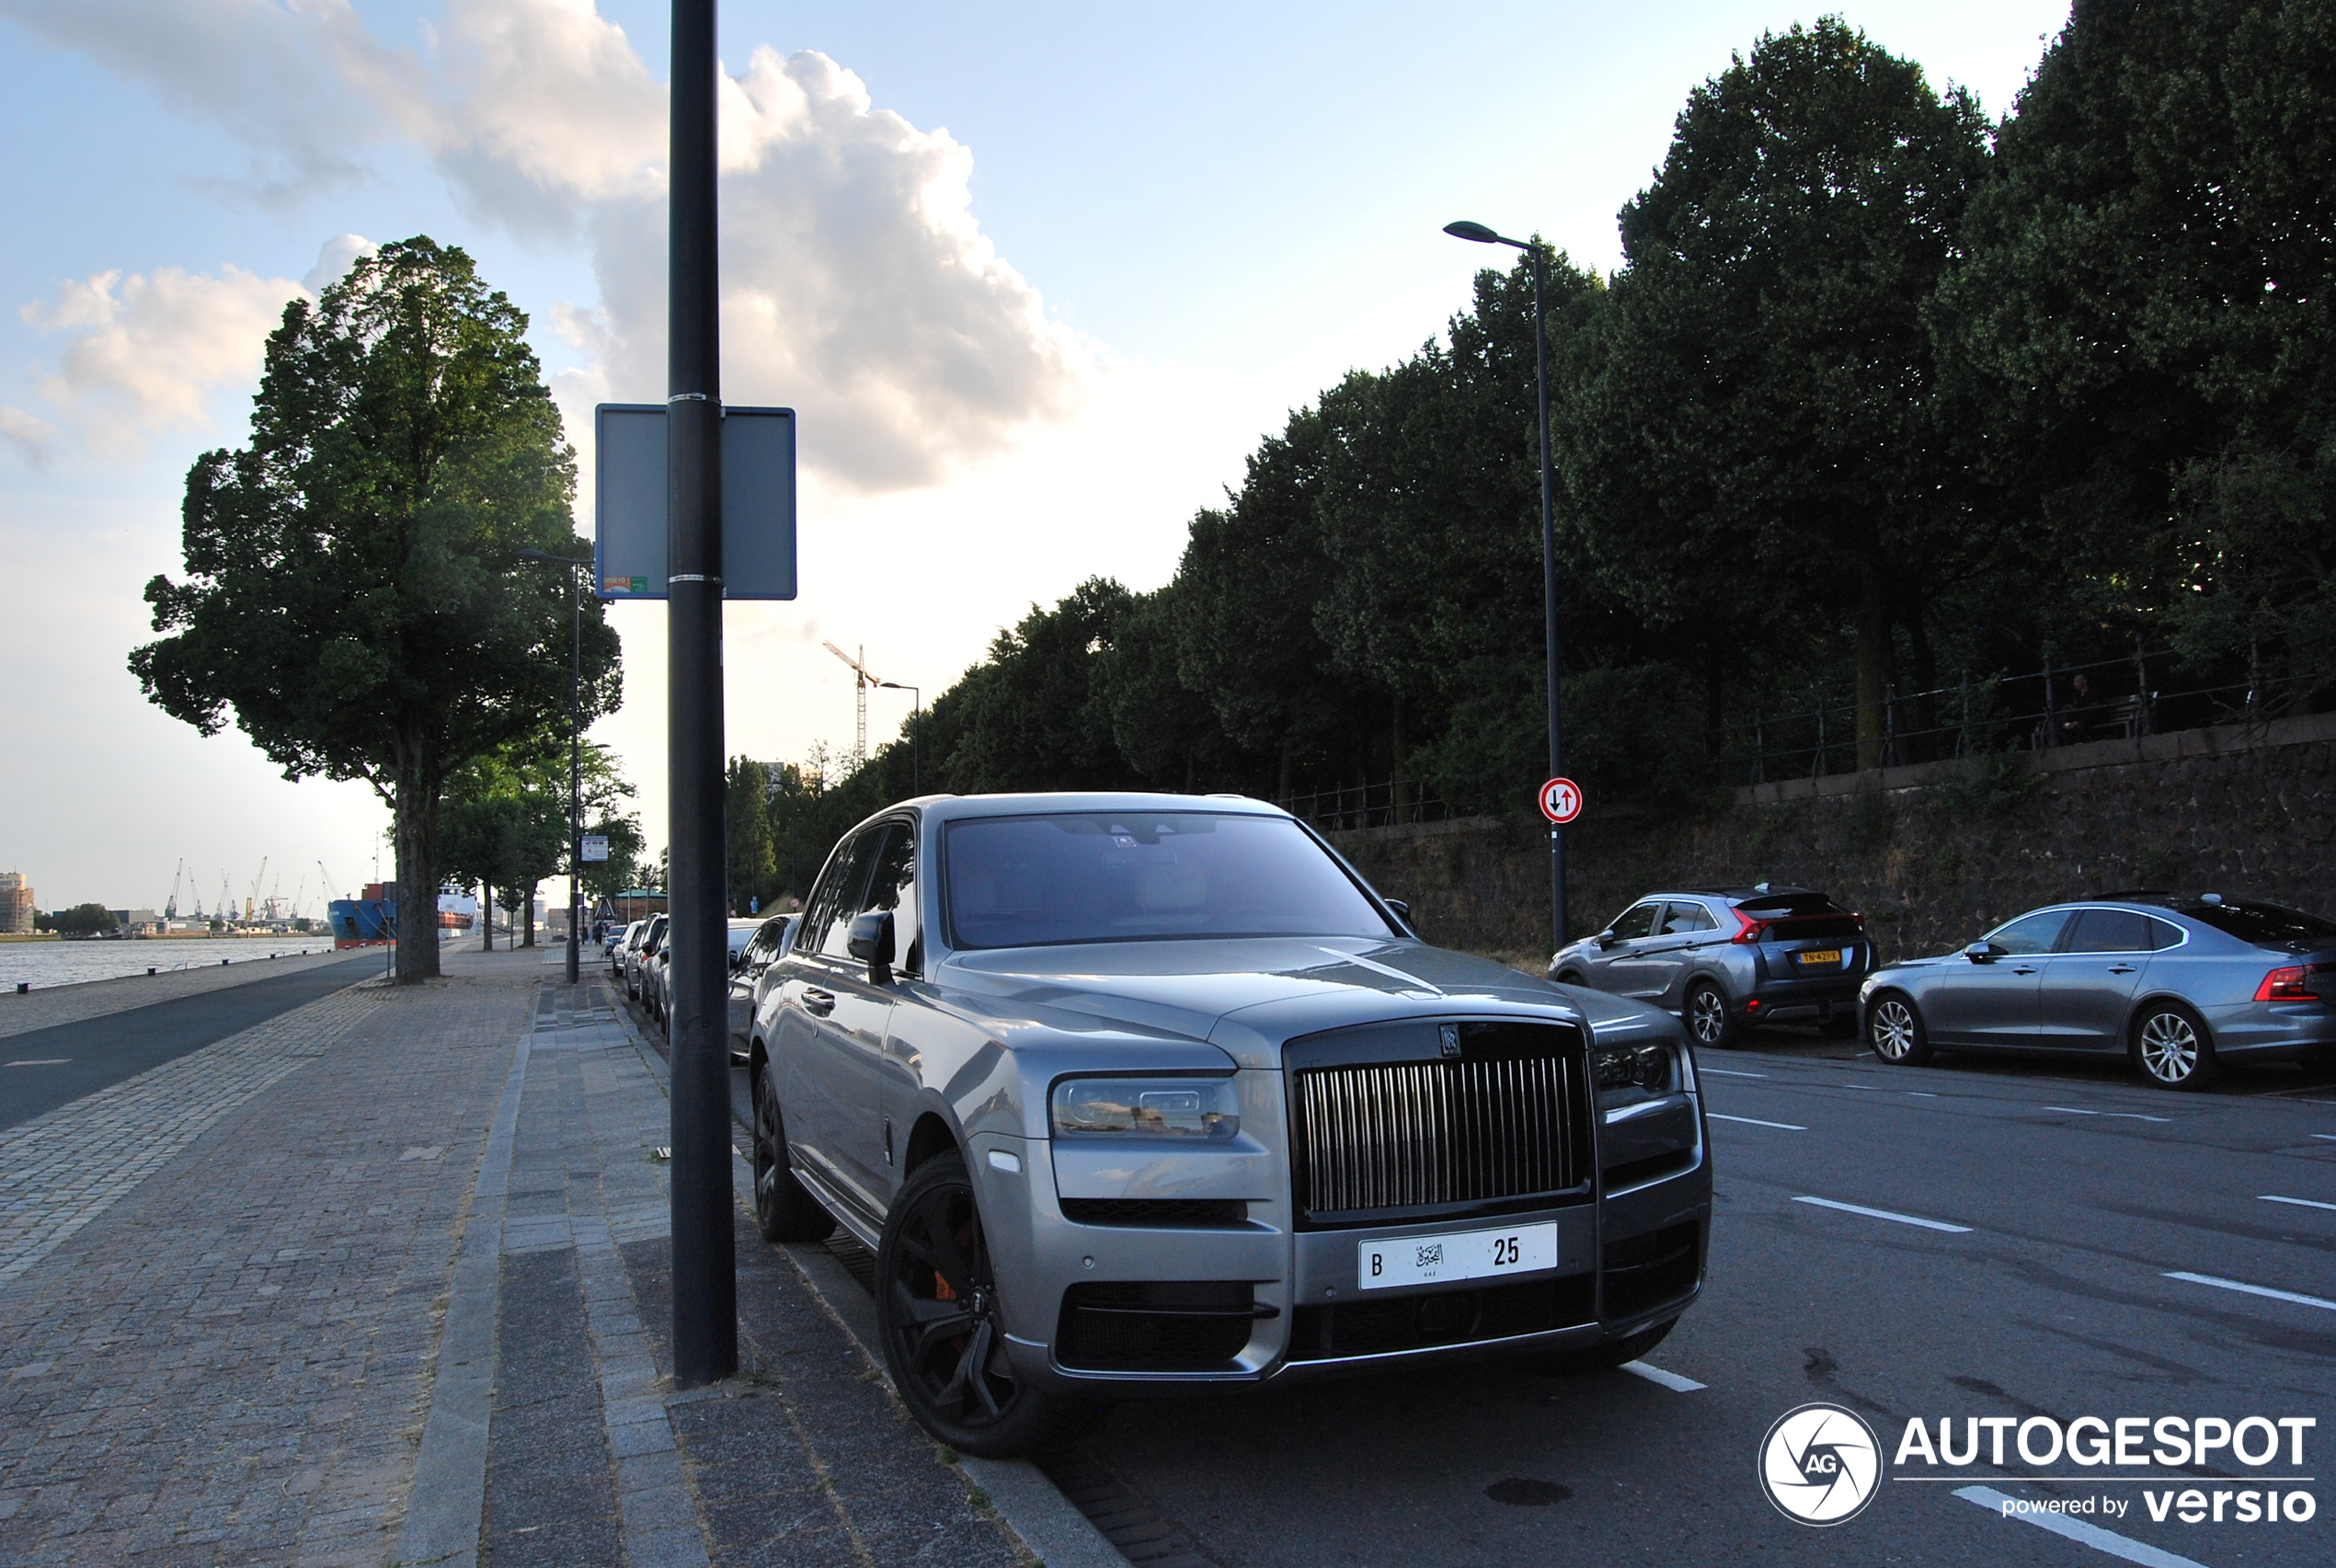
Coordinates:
<point>1933,854</point>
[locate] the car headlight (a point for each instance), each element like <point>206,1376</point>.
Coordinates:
<point>1653,1067</point>
<point>1202,1109</point>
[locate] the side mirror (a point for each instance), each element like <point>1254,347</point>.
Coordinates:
<point>870,941</point>
<point>1403,911</point>
<point>1981,952</point>
<point>737,959</point>
<point>1606,939</point>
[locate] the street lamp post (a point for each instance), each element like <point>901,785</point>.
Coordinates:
<point>916,732</point>
<point>575,756</point>
<point>1480,234</point>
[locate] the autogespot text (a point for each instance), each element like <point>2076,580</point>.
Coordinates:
<point>2196,1443</point>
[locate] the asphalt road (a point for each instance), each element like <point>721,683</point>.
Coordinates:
<point>2062,1202</point>
<point>44,1068</point>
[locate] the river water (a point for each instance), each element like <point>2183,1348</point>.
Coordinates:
<point>44,963</point>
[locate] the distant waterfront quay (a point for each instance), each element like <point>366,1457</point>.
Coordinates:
<point>45,964</point>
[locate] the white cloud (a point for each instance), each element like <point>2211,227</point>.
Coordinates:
<point>302,81</point>
<point>857,286</point>
<point>145,353</point>
<point>32,439</point>
<point>334,260</point>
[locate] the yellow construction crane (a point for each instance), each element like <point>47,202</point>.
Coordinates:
<point>861,681</point>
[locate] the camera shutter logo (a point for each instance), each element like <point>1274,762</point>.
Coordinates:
<point>1820,1464</point>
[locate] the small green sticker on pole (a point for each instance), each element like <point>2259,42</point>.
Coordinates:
<point>640,585</point>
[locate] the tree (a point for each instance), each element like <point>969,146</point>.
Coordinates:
<point>85,920</point>
<point>746,819</point>
<point>1770,367</point>
<point>2145,313</point>
<point>351,593</point>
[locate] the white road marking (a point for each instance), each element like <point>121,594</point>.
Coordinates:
<point>1922,1093</point>
<point>1755,1121</point>
<point>2330,1137</point>
<point>2253,1289</point>
<point>1731,1072</point>
<point>2126,1116</point>
<point>2094,1536</point>
<point>1661,1379</point>
<point>42,1061</point>
<point>1886,1214</point>
<point>2299,1202</point>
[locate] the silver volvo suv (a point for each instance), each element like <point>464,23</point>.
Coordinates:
<point>1135,1094</point>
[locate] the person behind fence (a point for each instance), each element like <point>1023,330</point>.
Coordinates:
<point>2082,713</point>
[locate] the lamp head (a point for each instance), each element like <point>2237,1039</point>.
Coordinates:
<point>1476,232</point>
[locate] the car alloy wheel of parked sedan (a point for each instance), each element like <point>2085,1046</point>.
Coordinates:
<point>937,1310</point>
<point>2173,1049</point>
<point>1895,1030</point>
<point>783,1211</point>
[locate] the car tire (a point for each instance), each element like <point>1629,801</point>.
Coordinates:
<point>783,1211</point>
<point>1708,1019</point>
<point>944,1344</point>
<point>1598,1358</point>
<point>2173,1049</point>
<point>1894,1028</point>
<point>1571,978</point>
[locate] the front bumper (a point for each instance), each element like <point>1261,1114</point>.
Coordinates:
<point>1627,1260</point>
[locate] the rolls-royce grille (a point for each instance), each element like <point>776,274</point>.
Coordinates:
<point>1422,1134</point>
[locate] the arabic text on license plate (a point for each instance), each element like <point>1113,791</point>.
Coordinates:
<point>1821,956</point>
<point>1470,1255</point>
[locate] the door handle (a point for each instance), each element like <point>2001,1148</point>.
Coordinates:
<point>821,1003</point>
<point>2121,969</point>
<point>2023,971</point>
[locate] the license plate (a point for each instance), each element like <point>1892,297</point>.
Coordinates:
<point>1470,1254</point>
<point>1818,955</point>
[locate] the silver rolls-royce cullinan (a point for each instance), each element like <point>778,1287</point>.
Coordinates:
<point>1136,1093</point>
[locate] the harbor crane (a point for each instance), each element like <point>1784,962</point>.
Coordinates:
<point>861,681</point>
<point>170,909</point>
<point>251,900</point>
<point>329,883</point>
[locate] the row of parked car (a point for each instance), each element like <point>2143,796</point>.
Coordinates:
<point>2178,985</point>
<point>637,960</point>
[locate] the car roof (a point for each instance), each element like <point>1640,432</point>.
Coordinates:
<point>957,807</point>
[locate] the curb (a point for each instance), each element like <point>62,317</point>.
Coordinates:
<point>1057,1534</point>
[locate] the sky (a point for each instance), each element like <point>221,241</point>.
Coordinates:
<point>1034,278</point>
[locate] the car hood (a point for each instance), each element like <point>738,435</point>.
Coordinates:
<point>1181,989</point>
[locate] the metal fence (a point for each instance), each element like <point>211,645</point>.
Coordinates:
<point>2137,694</point>
<point>1379,804</point>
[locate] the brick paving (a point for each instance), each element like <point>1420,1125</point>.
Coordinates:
<point>231,1278</point>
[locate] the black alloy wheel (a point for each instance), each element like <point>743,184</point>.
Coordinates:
<point>2173,1049</point>
<point>783,1211</point>
<point>943,1341</point>
<point>1894,1031</point>
<point>1708,1018</point>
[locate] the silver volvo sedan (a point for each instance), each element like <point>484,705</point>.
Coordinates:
<point>1136,1093</point>
<point>2177,986</point>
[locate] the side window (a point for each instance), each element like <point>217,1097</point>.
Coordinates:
<point>2109,931</point>
<point>1639,921</point>
<point>893,886</point>
<point>2163,935</point>
<point>1684,917</point>
<point>827,897</point>
<point>835,935</point>
<point>2029,934</point>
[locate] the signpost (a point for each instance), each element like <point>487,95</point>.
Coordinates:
<point>1561,801</point>
<point>596,846</point>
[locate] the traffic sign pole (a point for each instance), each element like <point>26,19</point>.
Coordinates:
<point>705,1339</point>
<point>1549,594</point>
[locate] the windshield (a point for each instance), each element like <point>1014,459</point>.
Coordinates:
<point>2266,925</point>
<point>1119,877</point>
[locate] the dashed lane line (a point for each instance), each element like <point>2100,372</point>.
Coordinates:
<point>2330,1137</point>
<point>1755,1121</point>
<point>1661,1379</point>
<point>2246,1289</point>
<point>2124,1115</point>
<point>2298,1202</point>
<point>2094,1536</point>
<point>1731,1072</point>
<point>42,1061</point>
<point>1886,1214</point>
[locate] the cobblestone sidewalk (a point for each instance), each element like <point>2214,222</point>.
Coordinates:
<point>383,1280</point>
